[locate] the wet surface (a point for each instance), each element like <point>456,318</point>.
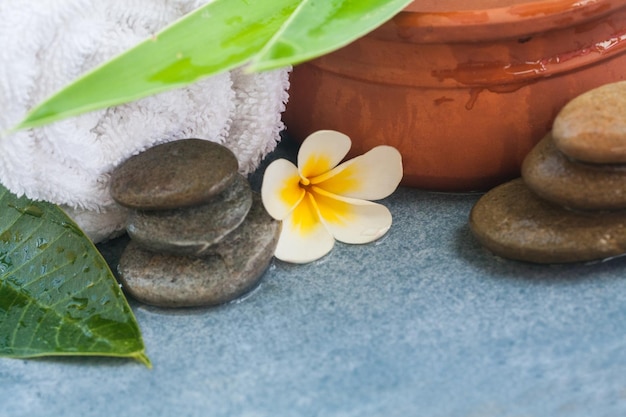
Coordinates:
<point>422,322</point>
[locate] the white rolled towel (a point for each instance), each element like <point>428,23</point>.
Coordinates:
<point>46,44</point>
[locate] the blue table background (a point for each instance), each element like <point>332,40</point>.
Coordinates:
<point>424,322</point>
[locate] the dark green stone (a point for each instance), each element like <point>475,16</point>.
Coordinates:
<point>191,230</point>
<point>176,174</point>
<point>232,268</point>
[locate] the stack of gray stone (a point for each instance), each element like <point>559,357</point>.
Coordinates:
<point>570,204</point>
<point>199,235</point>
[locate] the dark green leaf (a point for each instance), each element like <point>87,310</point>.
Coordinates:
<point>57,294</point>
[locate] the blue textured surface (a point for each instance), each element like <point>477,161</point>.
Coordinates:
<point>424,322</point>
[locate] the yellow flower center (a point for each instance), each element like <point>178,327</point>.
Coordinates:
<point>312,201</point>
<point>317,200</point>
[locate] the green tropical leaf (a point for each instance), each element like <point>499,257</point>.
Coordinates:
<point>214,38</point>
<point>217,37</point>
<point>57,294</point>
<point>319,27</point>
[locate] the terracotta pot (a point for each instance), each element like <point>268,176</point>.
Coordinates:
<point>464,89</point>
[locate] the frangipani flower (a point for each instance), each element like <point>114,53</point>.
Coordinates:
<point>320,201</point>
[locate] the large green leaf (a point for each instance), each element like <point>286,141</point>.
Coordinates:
<point>214,38</point>
<point>57,294</point>
<point>217,37</point>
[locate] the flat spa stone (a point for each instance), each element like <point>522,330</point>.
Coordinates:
<point>191,230</point>
<point>514,223</point>
<point>234,268</point>
<point>592,126</point>
<point>258,233</point>
<point>577,185</point>
<point>181,173</point>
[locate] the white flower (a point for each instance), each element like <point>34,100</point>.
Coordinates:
<point>320,201</point>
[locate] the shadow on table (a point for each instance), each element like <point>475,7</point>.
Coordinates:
<point>81,361</point>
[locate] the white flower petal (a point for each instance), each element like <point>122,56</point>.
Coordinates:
<point>351,220</point>
<point>371,176</point>
<point>281,191</point>
<point>303,237</point>
<point>322,151</point>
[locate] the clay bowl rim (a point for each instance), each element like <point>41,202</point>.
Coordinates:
<point>518,20</point>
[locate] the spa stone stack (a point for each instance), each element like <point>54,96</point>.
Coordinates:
<point>570,204</point>
<point>199,235</point>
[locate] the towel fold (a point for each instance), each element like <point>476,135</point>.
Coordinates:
<point>44,45</point>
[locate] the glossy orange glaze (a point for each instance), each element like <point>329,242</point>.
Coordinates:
<point>463,97</point>
<point>553,7</point>
<point>436,6</point>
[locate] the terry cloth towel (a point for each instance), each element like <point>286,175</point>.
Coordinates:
<point>46,44</point>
